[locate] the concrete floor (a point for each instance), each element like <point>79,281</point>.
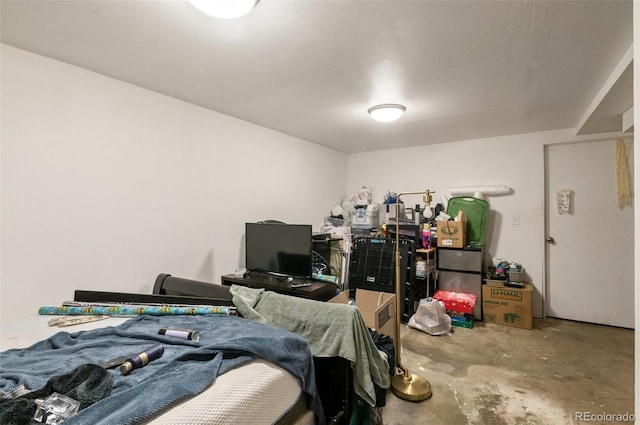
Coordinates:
<point>498,375</point>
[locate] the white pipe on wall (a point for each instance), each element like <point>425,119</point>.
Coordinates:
<point>481,191</point>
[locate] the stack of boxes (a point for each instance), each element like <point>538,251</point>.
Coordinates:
<point>459,306</point>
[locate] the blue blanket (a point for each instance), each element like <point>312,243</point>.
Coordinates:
<point>185,369</point>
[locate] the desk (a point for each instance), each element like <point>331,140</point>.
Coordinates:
<point>320,291</point>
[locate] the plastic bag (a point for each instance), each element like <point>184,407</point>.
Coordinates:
<point>431,317</point>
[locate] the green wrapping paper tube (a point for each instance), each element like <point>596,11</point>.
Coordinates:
<point>123,310</point>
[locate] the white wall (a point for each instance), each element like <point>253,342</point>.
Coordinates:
<point>516,161</point>
<point>105,185</point>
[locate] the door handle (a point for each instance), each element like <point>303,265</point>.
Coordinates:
<point>550,240</point>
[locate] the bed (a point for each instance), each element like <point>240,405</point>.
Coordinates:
<point>299,382</point>
<point>246,389</point>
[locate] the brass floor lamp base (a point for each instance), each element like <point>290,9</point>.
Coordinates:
<point>408,386</point>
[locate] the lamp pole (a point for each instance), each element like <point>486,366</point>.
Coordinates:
<point>404,384</point>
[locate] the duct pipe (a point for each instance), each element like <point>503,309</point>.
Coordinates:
<point>481,191</point>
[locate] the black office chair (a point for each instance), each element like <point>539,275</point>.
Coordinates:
<point>210,293</point>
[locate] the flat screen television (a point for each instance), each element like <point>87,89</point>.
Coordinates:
<point>284,249</point>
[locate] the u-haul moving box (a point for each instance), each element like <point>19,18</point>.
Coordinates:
<point>378,309</point>
<point>507,306</point>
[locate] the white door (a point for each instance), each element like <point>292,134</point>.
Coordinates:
<point>590,260</point>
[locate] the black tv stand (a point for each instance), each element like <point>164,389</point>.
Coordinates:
<point>316,290</point>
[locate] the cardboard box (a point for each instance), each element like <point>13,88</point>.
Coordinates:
<point>452,234</point>
<point>507,306</point>
<point>378,309</point>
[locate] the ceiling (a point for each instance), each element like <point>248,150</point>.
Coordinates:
<point>311,69</point>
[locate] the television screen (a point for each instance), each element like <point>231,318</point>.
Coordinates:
<point>279,248</point>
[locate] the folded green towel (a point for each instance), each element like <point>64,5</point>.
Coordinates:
<point>332,330</point>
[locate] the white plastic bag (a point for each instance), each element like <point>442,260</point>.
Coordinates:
<point>431,317</point>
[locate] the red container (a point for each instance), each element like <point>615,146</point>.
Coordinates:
<point>456,301</point>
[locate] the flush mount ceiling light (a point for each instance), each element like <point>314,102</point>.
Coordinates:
<point>225,9</point>
<point>386,112</point>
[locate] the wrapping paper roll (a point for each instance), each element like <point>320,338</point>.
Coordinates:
<point>124,310</point>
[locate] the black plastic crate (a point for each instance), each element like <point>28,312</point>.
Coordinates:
<point>373,263</point>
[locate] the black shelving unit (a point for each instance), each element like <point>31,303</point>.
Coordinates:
<point>425,286</point>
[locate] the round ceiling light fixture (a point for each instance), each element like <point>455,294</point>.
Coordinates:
<point>225,9</point>
<point>386,112</point>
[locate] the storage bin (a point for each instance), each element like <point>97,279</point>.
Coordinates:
<point>515,276</point>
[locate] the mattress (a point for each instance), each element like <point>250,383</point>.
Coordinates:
<point>257,392</point>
